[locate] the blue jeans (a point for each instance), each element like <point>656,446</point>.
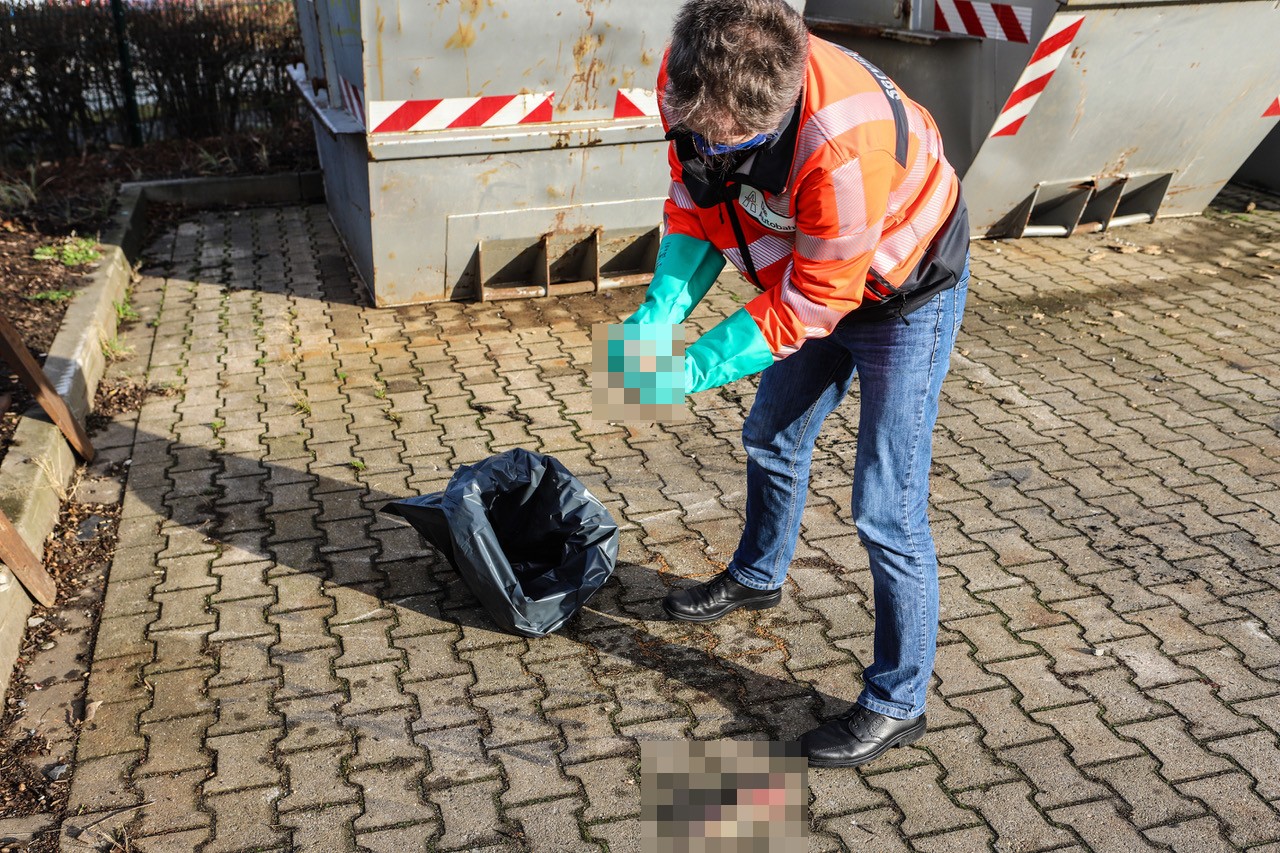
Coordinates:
<point>900,366</point>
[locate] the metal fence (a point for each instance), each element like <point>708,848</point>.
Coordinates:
<point>196,68</point>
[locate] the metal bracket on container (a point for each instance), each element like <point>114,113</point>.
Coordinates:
<point>1084,206</point>
<point>838,27</point>
<point>333,119</point>
<point>564,262</point>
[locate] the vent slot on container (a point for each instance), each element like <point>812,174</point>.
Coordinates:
<point>565,262</point>
<point>1058,208</point>
<point>1142,198</point>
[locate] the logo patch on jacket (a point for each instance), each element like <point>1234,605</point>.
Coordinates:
<point>752,202</point>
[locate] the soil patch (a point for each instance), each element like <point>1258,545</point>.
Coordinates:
<point>35,294</point>
<point>44,709</point>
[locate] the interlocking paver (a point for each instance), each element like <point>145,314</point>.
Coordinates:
<point>399,839</point>
<point>1202,835</point>
<point>877,829</point>
<point>324,830</point>
<point>470,816</point>
<point>456,755</point>
<point>1056,780</point>
<point>173,803</point>
<point>1209,716</point>
<point>373,687</point>
<point>1180,757</point>
<point>588,732</point>
<point>927,809</point>
<point>1017,823</point>
<point>389,795</point>
<point>105,783</point>
<point>1102,827</point>
<point>553,825</point>
<point>245,820</point>
<point>1151,800</point>
<point>1002,721</point>
<point>1090,738</point>
<point>1249,819</point>
<point>532,772</point>
<point>1105,497</point>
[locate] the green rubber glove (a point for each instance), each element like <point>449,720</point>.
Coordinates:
<point>685,270</point>
<point>731,350</point>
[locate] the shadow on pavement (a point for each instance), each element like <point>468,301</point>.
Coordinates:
<point>337,534</point>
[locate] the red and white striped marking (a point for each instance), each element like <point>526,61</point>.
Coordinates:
<point>446,113</point>
<point>1273,110</point>
<point>635,103</point>
<point>1045,60</point>
<point>984,20</point>
<point>351,99</point>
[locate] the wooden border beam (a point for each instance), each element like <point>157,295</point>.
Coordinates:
<point>15,353</point>
<point>26,568</point>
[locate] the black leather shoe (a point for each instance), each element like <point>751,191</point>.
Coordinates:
<point>858,736</point>
<point>718,596</point>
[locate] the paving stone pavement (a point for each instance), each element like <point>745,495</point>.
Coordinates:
<point>284,668</point>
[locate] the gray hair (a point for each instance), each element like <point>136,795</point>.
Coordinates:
<point>735,67</point>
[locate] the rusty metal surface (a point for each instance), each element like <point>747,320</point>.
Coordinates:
<point>963,81</point>
<point>1147,90</point>
<point>413,208</point>
<point>430,215</point>
<point>583,50</point>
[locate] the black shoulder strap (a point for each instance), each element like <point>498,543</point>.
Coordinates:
<point>895,103</point>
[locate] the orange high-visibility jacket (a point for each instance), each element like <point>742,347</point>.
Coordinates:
<point>834,214</point>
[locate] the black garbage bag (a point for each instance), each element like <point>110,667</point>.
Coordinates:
<point>528,538</point>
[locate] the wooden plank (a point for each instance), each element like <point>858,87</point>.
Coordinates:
<point>24,565</point>
<point>15,353</point>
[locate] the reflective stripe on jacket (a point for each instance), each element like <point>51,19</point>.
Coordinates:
<point>834,214</point>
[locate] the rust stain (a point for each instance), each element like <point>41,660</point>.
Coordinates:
<point>555,192</point>
<point>381,21</point>
<point>466,34</point>
<point>1118,167</point>
<point>1075,124</point>
<point>583,89</point>
<point>464,37</point>
<point>646,57</point>
<point>487,175</point>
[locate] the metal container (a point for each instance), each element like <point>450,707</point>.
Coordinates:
<point>1110,112</point>
<point>489,148</point>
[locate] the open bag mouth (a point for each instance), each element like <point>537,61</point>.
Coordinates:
<point>528,538</point>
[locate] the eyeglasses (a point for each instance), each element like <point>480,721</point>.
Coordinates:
<point>710,149</point>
